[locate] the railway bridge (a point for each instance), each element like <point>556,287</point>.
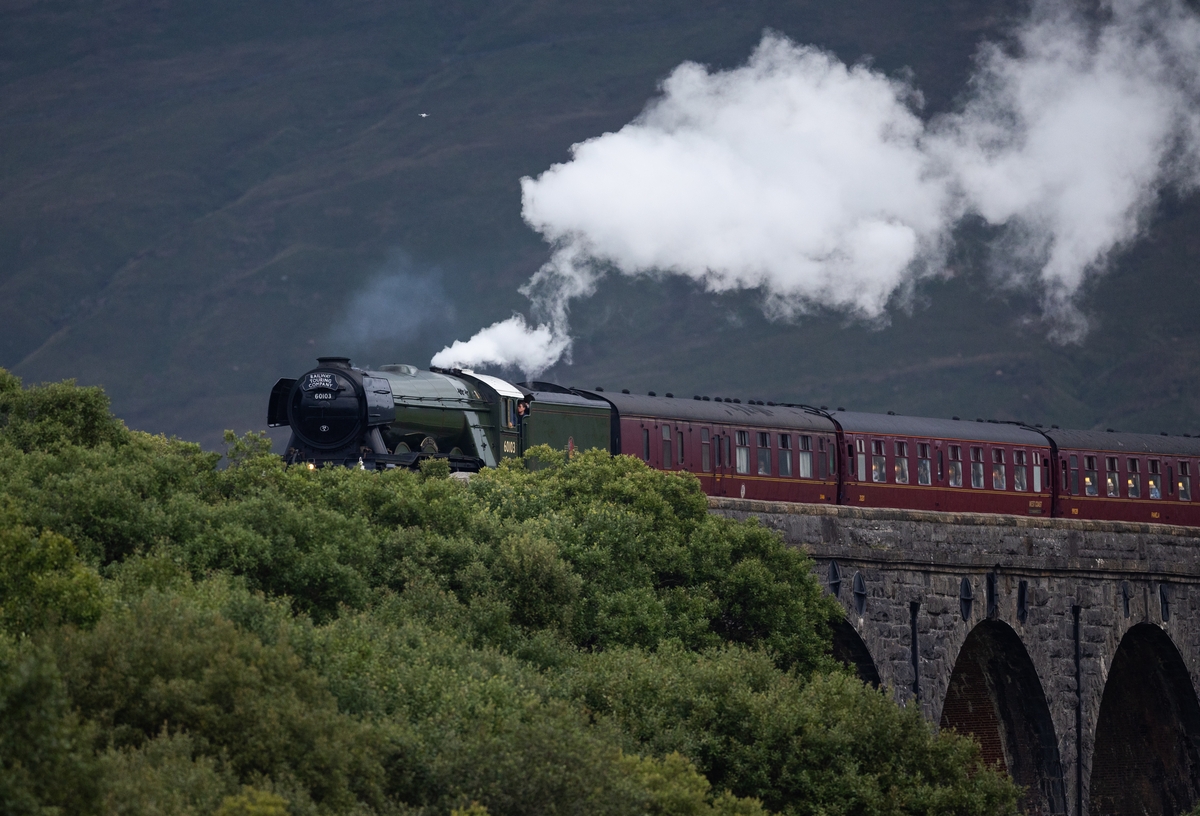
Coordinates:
<point>1070,649</point>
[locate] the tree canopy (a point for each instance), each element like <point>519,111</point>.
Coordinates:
<point>182,634</point>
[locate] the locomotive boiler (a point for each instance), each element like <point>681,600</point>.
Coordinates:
<point>400,415</point>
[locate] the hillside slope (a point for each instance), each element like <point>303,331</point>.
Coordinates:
<point>195,200</point>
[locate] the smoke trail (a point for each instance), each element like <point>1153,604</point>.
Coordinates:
<point>819,184</point>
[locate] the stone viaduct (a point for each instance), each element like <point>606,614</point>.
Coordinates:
<point>1070,649</point>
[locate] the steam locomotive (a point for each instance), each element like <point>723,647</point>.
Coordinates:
<point>400,415</point>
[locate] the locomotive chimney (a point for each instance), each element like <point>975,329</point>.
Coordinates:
<point>334,362</point>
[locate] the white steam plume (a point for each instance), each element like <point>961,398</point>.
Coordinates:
<point>1069,142</point>
<point>819,184</point>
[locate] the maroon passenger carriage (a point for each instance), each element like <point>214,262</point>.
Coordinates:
<point>752,451</point>
<point>796,453</point>
<point>944,464</point>
<point>1126,477</point>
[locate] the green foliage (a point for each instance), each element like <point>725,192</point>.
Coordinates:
<point>252,802</point>
<point>45,766</point>
<point>167,774</point>
<point>676,788</point>
<point>824,745</point>
<point>168,664</point>
<point>42,581</point>
<point>55,416</point>
<point>557,636</point>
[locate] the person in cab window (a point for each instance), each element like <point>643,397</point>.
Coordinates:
<point>1113,478</point>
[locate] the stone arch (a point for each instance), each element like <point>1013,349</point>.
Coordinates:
<point>995,695</point>
<point>850,649</point>
<point>1146,757</point>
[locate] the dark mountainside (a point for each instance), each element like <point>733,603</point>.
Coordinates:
<point>198,199</point>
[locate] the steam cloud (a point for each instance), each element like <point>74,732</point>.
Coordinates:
<point>818,183</point>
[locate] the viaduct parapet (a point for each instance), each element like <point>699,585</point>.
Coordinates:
<point>1070,649</point>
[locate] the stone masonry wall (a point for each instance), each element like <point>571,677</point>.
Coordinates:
<point>907,557</point>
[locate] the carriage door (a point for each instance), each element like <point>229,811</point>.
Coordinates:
<point>721,469</point>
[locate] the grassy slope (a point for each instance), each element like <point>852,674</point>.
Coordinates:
<point>190,197</point>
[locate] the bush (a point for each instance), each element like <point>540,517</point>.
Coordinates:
<point>42,582</point>
<point>168,665</point>
<point>557,636</point>
<point>44,759</point>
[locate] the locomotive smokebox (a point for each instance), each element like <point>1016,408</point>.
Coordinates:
<point>333,406</point>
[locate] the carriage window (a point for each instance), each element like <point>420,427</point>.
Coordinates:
<point>956,464</point>
<point>1133,480</point>
<point>924,476</point>
<point>824,458</point>
<point>999,482</point>
<point>679,436</point>
<point>1020,471</point>
<point>705,451</point>
<point>728,460</point>
<point>901,463</point>
<point>666,460</point>
<point>764,454</point>
<point>785,454</point>
<point>862,461</point>
<point>977,468</point>
<point>1091,479</point>
<point>1154,480</point>
<point>804,458</point>
<point>1185,481</point>
<point>1074,475</point>
<point>1112,479</point>
<point>743,451</point>
<point>646,444</point>
<point>878,462</point>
